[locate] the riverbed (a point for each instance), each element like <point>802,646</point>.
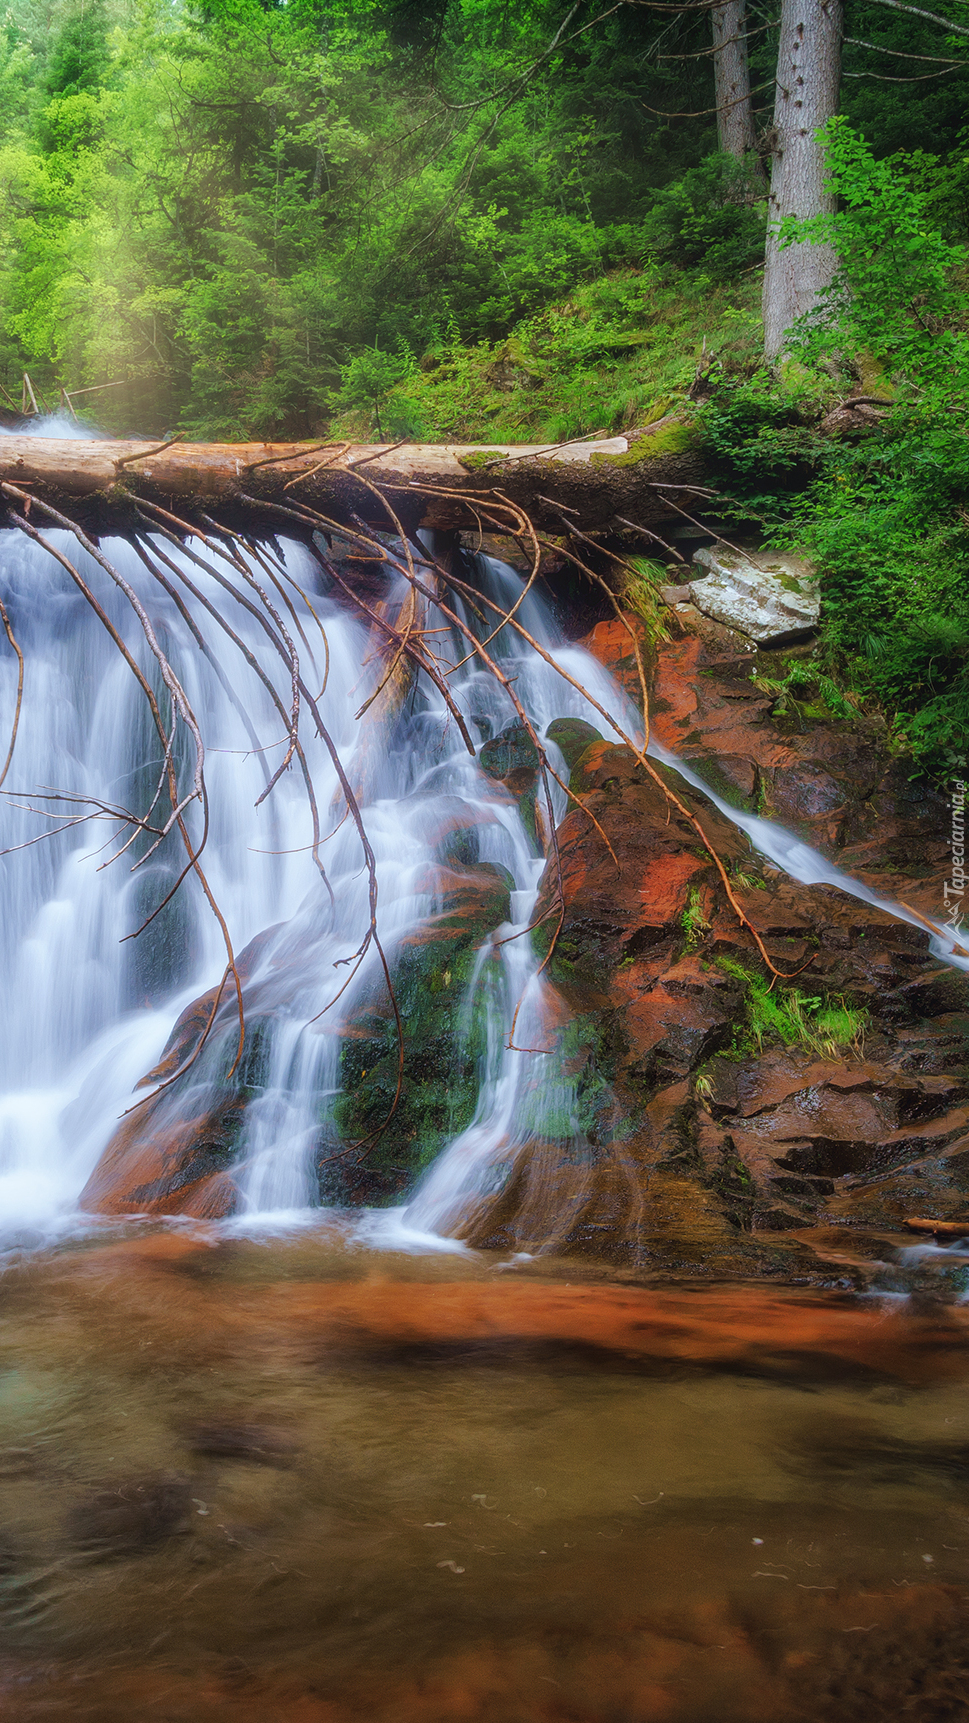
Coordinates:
<point>291,1477</point>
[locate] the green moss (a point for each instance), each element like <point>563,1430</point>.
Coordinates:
<point>673,439</point>
<point>511,751</point>
<point>444,1043</point>
<point>713,774</point>
<point>572,736</point>
<point>481,458</point>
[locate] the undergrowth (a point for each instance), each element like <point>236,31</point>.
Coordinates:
<point>616,354</point>
<point>806,677</point>
<point>821,1025</point>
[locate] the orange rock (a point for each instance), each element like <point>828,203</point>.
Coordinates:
<point>612,643</point>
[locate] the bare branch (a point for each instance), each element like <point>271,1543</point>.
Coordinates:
<point>4,618</point>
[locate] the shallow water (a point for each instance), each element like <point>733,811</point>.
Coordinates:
<point>294,1479</point>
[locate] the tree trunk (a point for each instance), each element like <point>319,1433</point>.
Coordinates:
<point>588,483</point>
<point>731,73</point>
<point>808,86</point>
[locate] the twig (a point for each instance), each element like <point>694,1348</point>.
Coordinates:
<point>125,460</point>
<point>4,618</point>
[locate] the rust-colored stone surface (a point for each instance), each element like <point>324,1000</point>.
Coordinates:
<point>709,1154</point>
<point>832,780</point>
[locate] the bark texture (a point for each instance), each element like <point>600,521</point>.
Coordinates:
<point>731,72</point>
<point>427,485</point>
<point>808,86</point>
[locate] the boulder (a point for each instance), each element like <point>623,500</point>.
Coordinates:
<point>572,736</point>
<point>772,600</point>
<point>700,1145</point>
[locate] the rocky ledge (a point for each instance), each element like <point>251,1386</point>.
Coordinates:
<point>713,1119</point>
<point>744,1123</point>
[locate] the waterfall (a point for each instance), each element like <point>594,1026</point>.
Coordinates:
<point>87,1010</point>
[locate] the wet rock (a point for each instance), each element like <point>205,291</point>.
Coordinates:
<point>773,601</point>
<point>829,778</point>
<point>258,1443</point>
<point>710,1152</point>
<point>129,1518</point>
<point>615,643</point>
<point>512,759</point>
<point>451,827</point>
<point>198,1017</point>
<point>508,754</point>
<point>160,1163</point>
<point>176,1154</point>
<point>572,736</point>
<point>431,973</point>
<point>508,550</point>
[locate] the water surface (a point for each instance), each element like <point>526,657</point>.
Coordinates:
<point>292,1478</point>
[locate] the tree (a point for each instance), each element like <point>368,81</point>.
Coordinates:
<point>731,74</point>
<point>808,85</point>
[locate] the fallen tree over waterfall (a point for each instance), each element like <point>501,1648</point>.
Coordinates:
<point>624,481</point>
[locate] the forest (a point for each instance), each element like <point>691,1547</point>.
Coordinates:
<point>463,220</point>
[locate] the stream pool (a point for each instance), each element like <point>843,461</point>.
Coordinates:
<point>290,1478</point>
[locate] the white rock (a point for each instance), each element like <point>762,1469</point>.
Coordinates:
<point>772,600</point>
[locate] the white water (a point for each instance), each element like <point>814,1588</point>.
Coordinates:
<point>85,1012</point>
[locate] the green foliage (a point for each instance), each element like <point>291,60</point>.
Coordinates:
<point>899,288</point>
<point>693,921</point>
<point>784,1014</point>
<point>79,57</point>
<point>713,219</point>
<point>226,206</point>
<point>615,354</point>
<point>639,595</point>
<point>806,675</point>
<point>886,515</point>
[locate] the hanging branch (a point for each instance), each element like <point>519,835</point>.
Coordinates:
<point>4,618</point>
<point>170,680</point>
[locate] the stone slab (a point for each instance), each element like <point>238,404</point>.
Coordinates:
<point>771,601</point>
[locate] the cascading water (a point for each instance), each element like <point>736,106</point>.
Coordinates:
<point>87,1009</point>
<point>90,1007</point>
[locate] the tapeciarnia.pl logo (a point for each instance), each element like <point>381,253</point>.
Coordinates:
<point>954,888</point>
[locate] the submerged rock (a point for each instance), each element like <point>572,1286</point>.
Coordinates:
<point>772,600</point>
<point>130,1517</point>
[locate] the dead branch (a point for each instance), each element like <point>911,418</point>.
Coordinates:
<point>4,618</point>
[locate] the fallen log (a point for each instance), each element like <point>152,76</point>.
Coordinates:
<point>634,478</point>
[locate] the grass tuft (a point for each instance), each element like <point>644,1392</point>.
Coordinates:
<point>820,1024</point>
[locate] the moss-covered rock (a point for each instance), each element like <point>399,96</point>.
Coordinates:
<point>443,1042</point>
<point>572,736</point>
<point>511,758</point>
<point>511,751</point>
